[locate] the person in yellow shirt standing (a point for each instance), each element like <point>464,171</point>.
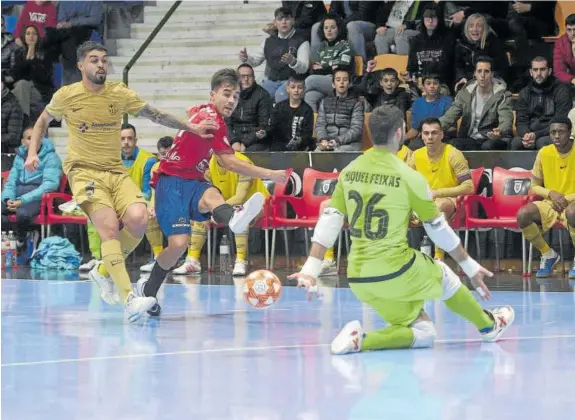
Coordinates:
<point>552,179</point>
<point>93,110</point>
<point>445,169</point>
<point>236,189</point>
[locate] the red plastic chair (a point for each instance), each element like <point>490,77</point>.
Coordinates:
<point>53,218</point>
<point>317,187</point>
<point>458,221</point>
<point>264,222</point>
<point>510,193</point>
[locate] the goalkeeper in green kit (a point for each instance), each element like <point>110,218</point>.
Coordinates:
<point>377,193</point>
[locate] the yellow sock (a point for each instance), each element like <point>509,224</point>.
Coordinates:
<point>154,236</point>
<point>197,240</point>
<point>534,235</point>
<point>115,264</point>
<point>241,246</point>
<point>439,253</point>
<point>127,243</point>
<point>329,254</point>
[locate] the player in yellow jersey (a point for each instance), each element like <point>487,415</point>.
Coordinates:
<point>329,265</point>
<point>552,179</point>
<point>93,110</point>
<point>236,189</point>
<point>445,169</point>
<point>377,192</point>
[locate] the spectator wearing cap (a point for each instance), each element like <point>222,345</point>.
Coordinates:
<point>285,53</point>
<point>432,50</point>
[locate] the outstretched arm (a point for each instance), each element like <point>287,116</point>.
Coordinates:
<point>232,163</point>
<point>203,129</point>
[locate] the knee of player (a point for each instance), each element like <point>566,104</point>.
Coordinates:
<point>136,216</point>
<point>179,242</point>
<point>570,214</point>
<point>526,214</point>
<point>424,334</point>
<point>450,282</point>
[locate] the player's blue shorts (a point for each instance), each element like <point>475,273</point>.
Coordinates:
<point>177,201</point>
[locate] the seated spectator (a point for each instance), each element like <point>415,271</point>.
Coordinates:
<point>292,120</point>
<point>76,21</point>
<point>32,75</point>
<point>457,12</point>
<point>305,13</point>
<point>23,191</point>
<point>41,14</point>
<point>530,20</point>
<point>9,48</point>
<point>544,98</point>
<point>334,51</point>
<point>433,49</point>
<point>382,88</point>
<point>359,18</point>
<point>339,125</point>
<point>248,126</point>
<point>399,28</point>
<point>563,53</point>
<point>478,40</point>
<point>485,109</point>
<point>236,190</point>
<point>432,104</point>
<point>285,54</point>
<point>12,120</point>
<point>444,167</point>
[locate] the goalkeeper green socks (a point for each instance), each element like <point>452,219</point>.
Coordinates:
<point>464,304</point>
<point>393,337</point>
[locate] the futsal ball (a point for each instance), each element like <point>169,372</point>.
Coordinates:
<point>262,288</point>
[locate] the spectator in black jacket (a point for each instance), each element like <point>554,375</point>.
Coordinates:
<point>541,100</point>
<point>12,121</point>
<point>432,51</point>
<point>359,17</point>
<point>531,20</point>
<point>292,120</point>
<point>456,12</point>
<point>478,40</point>
<point>382,88</point>
<point>248,126</point>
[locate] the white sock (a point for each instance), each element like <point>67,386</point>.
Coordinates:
<point>550,254</point>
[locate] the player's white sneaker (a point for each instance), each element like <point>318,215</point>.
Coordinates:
<point>88,265</point>
<point>147,268</point>
<point>240,268</point>
<point>190,266</point>
<point>108,291</point>
<point>156,309</point>
<point>328,268</point>
<point>349,339</point>
<point>244,214</point>
<point>137,306</point>
<point>503,317</point>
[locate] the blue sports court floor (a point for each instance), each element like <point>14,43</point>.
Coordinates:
<point>66,355</point>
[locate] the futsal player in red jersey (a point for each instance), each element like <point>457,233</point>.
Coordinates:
<point>182,192</point>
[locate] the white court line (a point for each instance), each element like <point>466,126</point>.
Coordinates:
<point>237,349</point>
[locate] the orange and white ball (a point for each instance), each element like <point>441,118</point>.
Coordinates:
<point>262,288</point>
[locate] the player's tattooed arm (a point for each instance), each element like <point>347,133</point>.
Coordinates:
<point>204,129</point>
<point>163,118</point>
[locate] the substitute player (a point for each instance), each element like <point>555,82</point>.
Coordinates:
<point>378,192</point>
<point>552,179</point>
<point>236,190</point>
<point>93,110</point>
<point>182,192</point>
<point>445,169</point>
